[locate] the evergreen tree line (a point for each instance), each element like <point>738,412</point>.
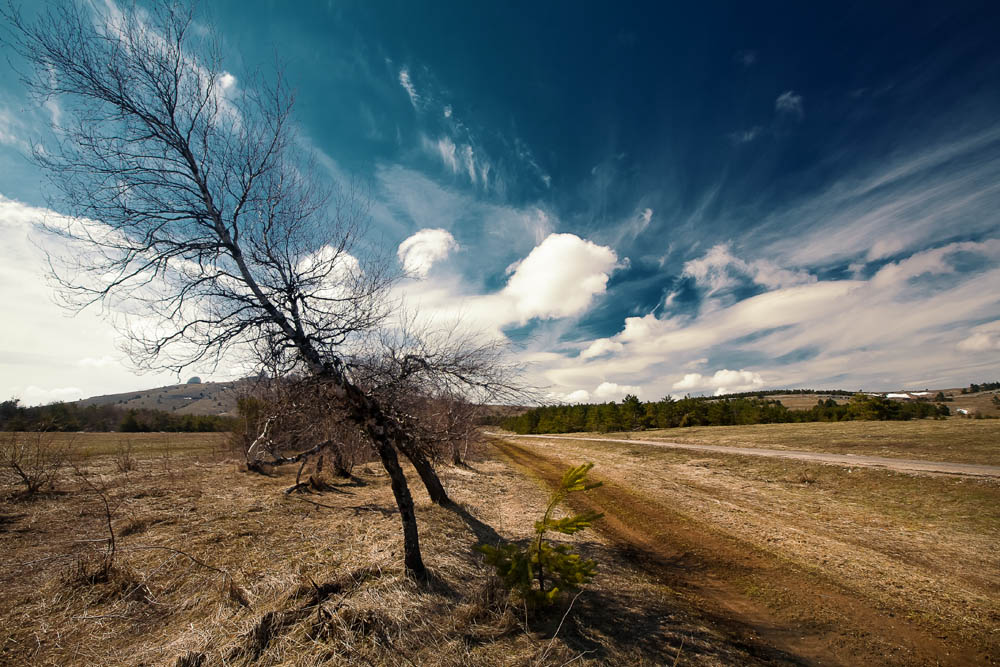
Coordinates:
<point>633,414</point>
<point>779,392</point>
<point>975,388</point>
<point>74,417</point>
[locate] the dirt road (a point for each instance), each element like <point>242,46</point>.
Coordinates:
<point>851,460</point>
<point>785,584</point>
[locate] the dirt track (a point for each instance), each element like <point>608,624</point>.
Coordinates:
<point>779,610</point>
<point>902,465</point>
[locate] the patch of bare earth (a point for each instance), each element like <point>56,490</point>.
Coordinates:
<point>825,564</point>
<point>217,566</point>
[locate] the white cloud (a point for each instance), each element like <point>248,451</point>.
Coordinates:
<point>407,84</point>
<point>560,277</point>
<point>789,103</point>
<point>469,159</point>
<point>12,130</point>
<point>578,396</point>
<point>719,269</point>
<point>96,362</point>
<point>447,111</point>
<point>33,395</point>
<point>419,252</point>
<point>227,81</point>
<point>846,333</point>
<point>980,342</point>
<point>689,381</point>
<point>459,158</point>
<point>448,152</point>
<point>902,204</point>
<point>610,391</point>
<point>984,338</point>
<point>601,346</point>
<point>933,261</point>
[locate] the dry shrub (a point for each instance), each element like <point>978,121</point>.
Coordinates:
<point>105,579</point>
<point>124,459</point>
<point>31,460</point>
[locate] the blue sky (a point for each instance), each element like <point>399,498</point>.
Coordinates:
<point>645,198</point>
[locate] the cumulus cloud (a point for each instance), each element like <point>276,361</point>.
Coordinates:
<point>610,391</point>
<point>789,103</point>
<point>601,346</point>
<point>560,277</point>
<point>724,381</point>
<point>407,84</point>
<point>419,252</point>
<point>578,396</point>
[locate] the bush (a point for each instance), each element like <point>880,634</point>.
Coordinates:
<point>32,460</point>
<point>540,571</point>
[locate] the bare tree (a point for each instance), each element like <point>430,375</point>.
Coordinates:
<point>189,204</point>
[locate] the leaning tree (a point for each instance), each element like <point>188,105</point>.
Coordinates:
<point>192,206</point>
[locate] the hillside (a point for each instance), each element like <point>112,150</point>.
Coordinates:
<point>201,398</point>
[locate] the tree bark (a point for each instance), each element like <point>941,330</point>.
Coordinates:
<point>426,471</point>
<point>412,560</point>
<point>368,415</point>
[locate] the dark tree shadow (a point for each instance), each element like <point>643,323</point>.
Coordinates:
<point>483,531</point>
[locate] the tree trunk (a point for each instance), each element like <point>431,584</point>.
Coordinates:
<point>426,471</point>
<point>412,559</point>
<point>368,415</point>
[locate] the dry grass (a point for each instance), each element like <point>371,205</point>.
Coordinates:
<point>216,566</point>
<point>916,549</point>
<point>957,440</point>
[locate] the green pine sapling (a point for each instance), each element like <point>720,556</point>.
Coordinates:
<point>552,568</point>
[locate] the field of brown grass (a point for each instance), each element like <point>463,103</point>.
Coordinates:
<point>719,560</point>
<point>220,566</point>
<point>956,439</point>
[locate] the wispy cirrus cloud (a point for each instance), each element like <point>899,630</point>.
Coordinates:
<point>407,84</point>
<point>789,102</point>
<point>948,188</point>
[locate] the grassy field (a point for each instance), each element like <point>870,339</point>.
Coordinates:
<point>956,440</point>
<point>719,560</point>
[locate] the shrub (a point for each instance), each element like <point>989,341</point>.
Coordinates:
<point>540,571</point>
<point>31,459</point>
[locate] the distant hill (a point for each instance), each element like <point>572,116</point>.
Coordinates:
<point>196,398</point>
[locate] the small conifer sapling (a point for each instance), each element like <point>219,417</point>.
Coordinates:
<point>540,571</point>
